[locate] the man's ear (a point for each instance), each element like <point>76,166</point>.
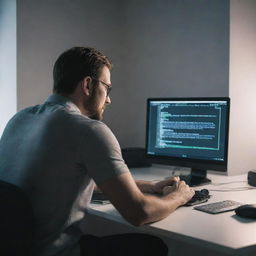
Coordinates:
<point>86,85</point>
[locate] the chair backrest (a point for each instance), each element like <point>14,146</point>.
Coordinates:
<point>16,221</point>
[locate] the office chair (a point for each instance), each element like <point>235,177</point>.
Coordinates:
<point>16,221</point>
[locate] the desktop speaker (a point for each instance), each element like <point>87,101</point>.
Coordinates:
<point>252,178</point>
<point>135,157</point>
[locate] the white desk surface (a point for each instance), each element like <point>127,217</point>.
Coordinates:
<point>224,231</point>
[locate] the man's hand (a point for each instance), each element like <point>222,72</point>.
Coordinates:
<point>181,190</point>
<point>159,187</point>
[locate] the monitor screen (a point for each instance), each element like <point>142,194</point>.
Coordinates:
<point>190,132</point>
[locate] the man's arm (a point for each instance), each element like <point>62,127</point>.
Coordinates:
<point>138,208</point>
<point>155,187</point>
<point>150,186</point>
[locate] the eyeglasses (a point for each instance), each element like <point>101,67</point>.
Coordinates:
<point>107,86</point>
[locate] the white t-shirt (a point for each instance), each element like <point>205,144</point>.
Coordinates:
<point>55,154</point>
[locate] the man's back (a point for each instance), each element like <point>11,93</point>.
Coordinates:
<point>41,152</point>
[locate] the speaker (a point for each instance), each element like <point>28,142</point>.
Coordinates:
<point>252,178</point>
<point>135,157</point>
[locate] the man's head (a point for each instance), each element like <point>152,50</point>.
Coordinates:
<point>74,65</point>
<point>83,74</point>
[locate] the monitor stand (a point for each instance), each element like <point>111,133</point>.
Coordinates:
<point>197,177</point>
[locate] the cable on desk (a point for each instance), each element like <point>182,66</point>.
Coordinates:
<point>224,183</point>
<point>231,189</point>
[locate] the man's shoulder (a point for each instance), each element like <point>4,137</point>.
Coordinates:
<point>28,109</point>
<point>92,125</point>
<point>25,111</point>
<point>61,115</point>
<point>79,121</point>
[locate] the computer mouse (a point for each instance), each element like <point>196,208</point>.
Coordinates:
<point>205,191</point>
<point>246,211</point>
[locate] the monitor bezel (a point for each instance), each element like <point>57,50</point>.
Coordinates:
<point>190,162</point>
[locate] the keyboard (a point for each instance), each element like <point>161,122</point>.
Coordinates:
<point>218,207</point>
<point>99,198</point>
<point>199,197</point>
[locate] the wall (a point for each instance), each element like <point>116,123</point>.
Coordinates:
<point>48,27</point>
<point>159,48</point>
<point>242,148</point>
<point>8,101</point>
<point>174,48</point>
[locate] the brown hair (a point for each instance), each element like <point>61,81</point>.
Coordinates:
<point>75,64</point>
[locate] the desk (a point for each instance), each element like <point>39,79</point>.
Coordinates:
<point>195,232</point>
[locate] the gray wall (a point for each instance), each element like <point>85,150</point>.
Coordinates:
<point>8,103</point>
<point>164,48</point>
<point>242,89</point>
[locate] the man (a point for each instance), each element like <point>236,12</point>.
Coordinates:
<point>57,150</point>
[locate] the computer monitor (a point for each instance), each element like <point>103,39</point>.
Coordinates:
<point>189,132</point>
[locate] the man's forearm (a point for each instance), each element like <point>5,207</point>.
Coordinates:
<point>156,208</point>
<point>145,186</point>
